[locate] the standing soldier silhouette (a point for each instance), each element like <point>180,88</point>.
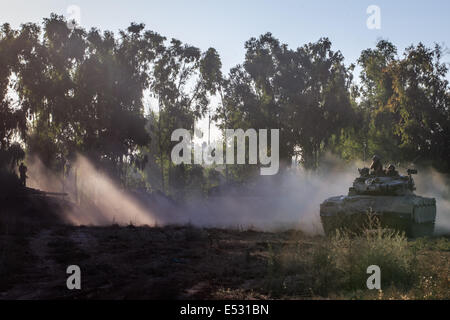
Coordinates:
<point>23,174</point>
<point>376,166</point>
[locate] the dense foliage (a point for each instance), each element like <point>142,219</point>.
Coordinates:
<point>65,90</point>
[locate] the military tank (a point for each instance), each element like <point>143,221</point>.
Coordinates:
<point>389,197</point>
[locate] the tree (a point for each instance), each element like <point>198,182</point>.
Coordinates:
<point>14,46</point>
<point>405,104</point>
<point>303,92</point>
<point>182,80</point>
<point>83,92</point>
<point>109,93</point>
<point>421,103</point>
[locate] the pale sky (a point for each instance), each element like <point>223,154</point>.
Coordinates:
<point>227,24</point>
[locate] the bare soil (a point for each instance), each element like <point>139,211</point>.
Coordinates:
<point>174,262</point>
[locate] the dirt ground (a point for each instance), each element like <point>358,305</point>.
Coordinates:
<point>175,262</point>
<point>138,262</point>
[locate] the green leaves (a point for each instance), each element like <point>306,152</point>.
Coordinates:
<point>66,90</point>
<point>406,100</point>
<point>83,91</point>
<point>304,92</point>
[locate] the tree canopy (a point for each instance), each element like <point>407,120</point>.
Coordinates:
<point>65,90</point>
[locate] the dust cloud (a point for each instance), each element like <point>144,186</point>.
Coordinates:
<point>269,203</point>
<point>287,201</point>
<point>431,183</point>
<point>97,199</point>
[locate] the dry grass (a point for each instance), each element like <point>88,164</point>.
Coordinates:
<point>336,267</point>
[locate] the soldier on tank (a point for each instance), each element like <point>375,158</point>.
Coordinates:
<point>376,166</point>
<point>391,172</point>
<point>23,174</point>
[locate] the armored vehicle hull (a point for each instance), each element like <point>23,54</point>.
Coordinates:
<point>415,215</point>
<point>387,195</point>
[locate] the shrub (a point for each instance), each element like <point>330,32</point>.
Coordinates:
<point>385,248</point>
<point>338,265</point>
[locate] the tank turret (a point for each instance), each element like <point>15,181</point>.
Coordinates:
<point>395,185</point>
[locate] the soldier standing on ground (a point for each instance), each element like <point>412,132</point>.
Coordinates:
<point>23,174</point>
